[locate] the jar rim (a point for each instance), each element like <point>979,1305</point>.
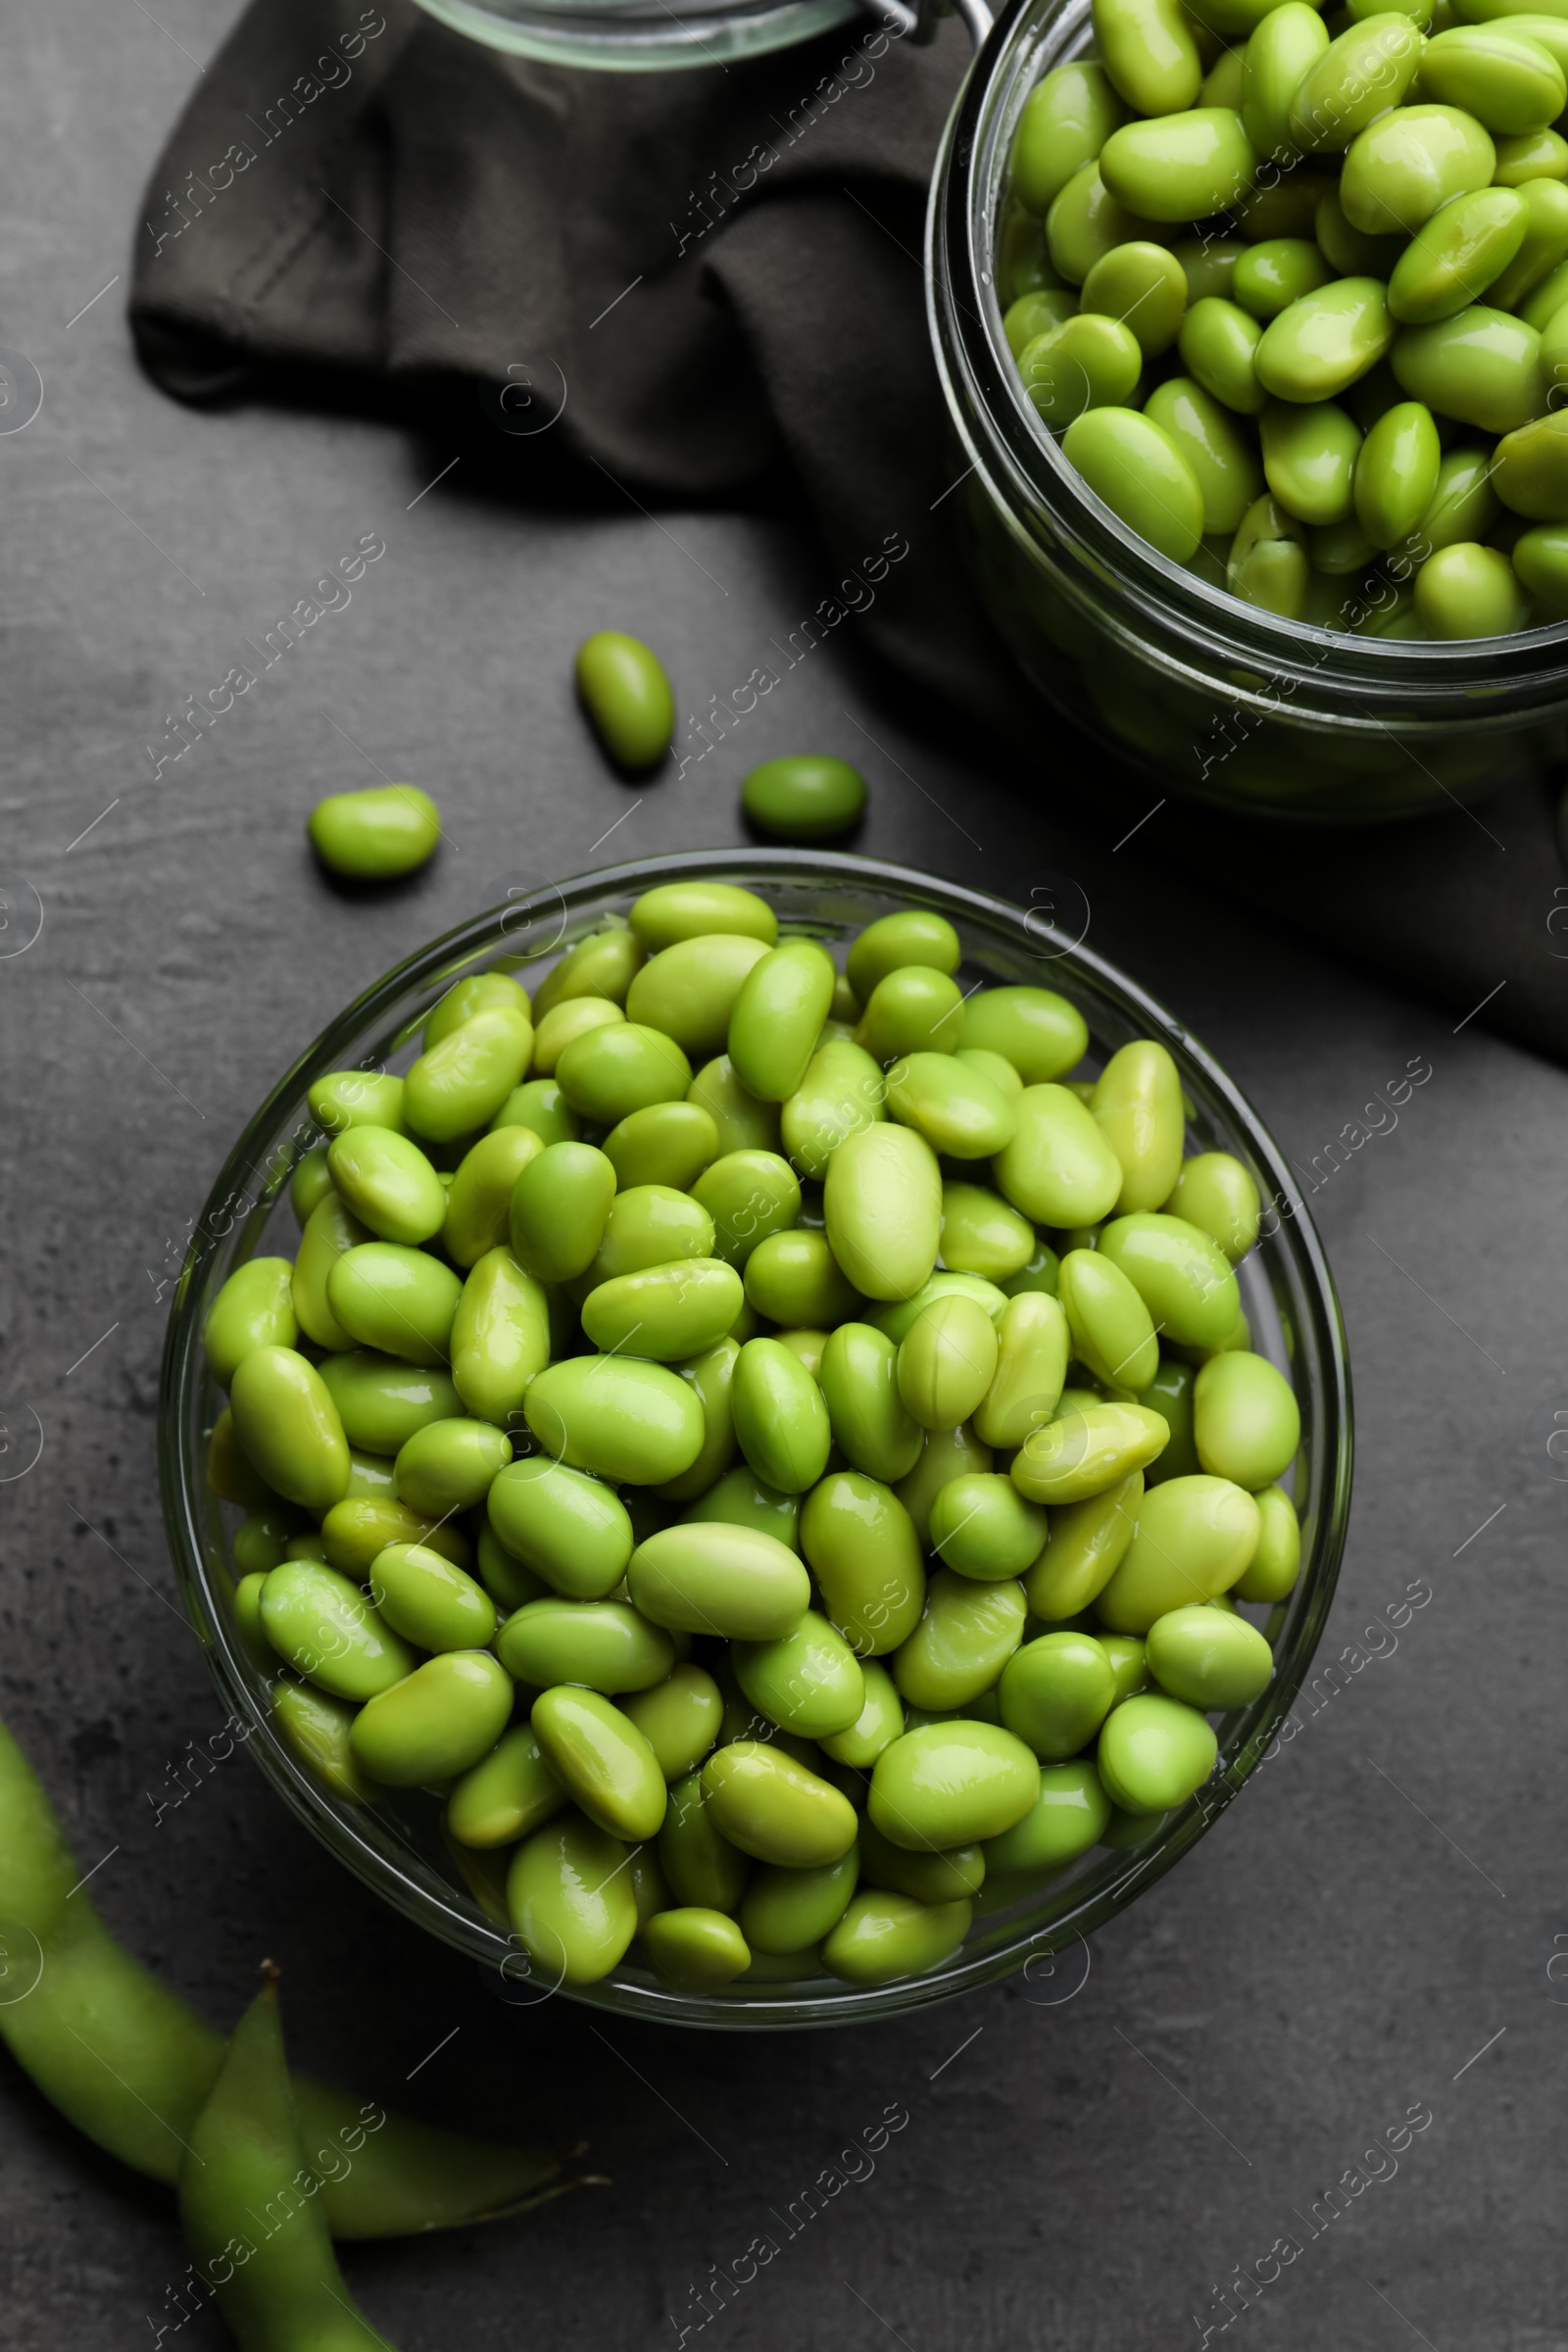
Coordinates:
<point>630,36</point>
<point>1021,462</point>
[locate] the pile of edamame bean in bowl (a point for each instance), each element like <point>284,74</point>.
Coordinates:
<point>776,1450</point>
<point>1294,293</point>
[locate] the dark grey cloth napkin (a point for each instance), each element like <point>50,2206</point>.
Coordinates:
<point>707,287</point>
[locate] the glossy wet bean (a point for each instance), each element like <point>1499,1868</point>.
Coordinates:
<point>571,1900</point>
<point>627,696</point>
<point>499,1337</point>
<point>946,1362</point>
<point>1281,52</point>
<point>1142,285</point>
<point>1033,1343</point>
<point>950,1784</point>
<point>710,1377</point>
<point>1066,121</point>
<point>460,1084</point>
<point>967,1633</point>
<point>255,1309</point>
<point>1149,53</point>
<point>795,1280</point>
<point>375,835</point>
<point>775,1809</point>
<point>807,1681</point>
<point>1469,591</point>
<point>1141,474</point>
<point>563,1024</point>
<point>1087,362</point>
<point>1211,1659</point>
<point>1059,1170</point>
<point>689,991</point>
<point>1193,1540</point>
<point>781,1422</point>
<point>507,1794</point>
<point>1277,1561</point>
<point>1219,345</point>
<point>289,1427</point>
<point>607,1645</point>
<point>1085,1450</point>
<point>1068,1816</point>
<point>436,1722</point>
<point>981,1527</point>
<point>1153,1753</point>
<point>602,1760</point>
<point>478,1202</point>
<point>984,1235</point>
<point>929,1877</point>
<point>884,1936</point>
<point>864,1553</point>
<point>428,1601</point>
<point>1410,161</point>
<point>804,797</point>
<point>619,1419</point>
<point>1223,462</point>
<point>448,1467</point>
<point>1247,1424</point>
<point>679,1718</point>
<point>1113,1331</point>
<point>1055,1692</point>
<point>319,1623</point>
<point>882,1201</point>
<point>710,1577</point>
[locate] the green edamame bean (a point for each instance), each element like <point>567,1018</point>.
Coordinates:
<point>1035,314</point>
<point>1530,470</point>
<point>356,1530</point>
<point>477,991</point>
<point>882,1201</point>
<point>1281,52</point>
<point>309,1185</point>
<point>603,964</point>
<point>1222,84</point>
<point>1208,265</point>
<point>330,1233</point>
<point>1193,1541</point>
<point>1068,1816</point>
<point>1085,1546</point>
<point>386,1296</point>
<point>1468,591</point>
<point>957,1109</point>
<point>1456,255</point>
<point>460,1084</point>
<point>1113,1331</point>
<point>1503,78</point>
<point>613,1072</point>
<point>806,796</point>
<point>1219,344</point>
<point>1359,77</point>
<point>967,1633</point>
<point>670,1144</point>
<point>744,1123</point>
<point>627,696</point>
<point>843,1088</point>
<point>1309,458</point>
<point>254,1308</point>
<point>1154,1752</point>
<point>788,1911</point>
<point>1536,155</point>
<point>1541,562</point>
<point>375,835</point>
<point>1463,506</point>
<point>711,1577</point>
<point>1149,53</point>
<point>794,1279</point>
<point>436,1722</point>
<point>1267,565</point>
<point>884,1936</point>
<point>1059,1170</point>
<point>981,1527</point>
<point>679,1718</point>
<point>1247,1424</point>
<point>370,1479</point>
<point>950,1784</point>
<point>1033,1343</point>
<point>1088,362</point>
<point>508,1581</point>
<point>1396,473</point>
<point>674,910</point>
<point>1137,1103</point>
<point>620,1419</point>
<point>898,1319</point>
<point>914,1010</point>
<point>879,1723</point>
<point>607,1645</point>
<point>1038,1033</point>
<point>1410,161</point>
<point>507,1794</point>
<point>571,1530</point>
<point>1277,1562</point>
<point>540,1106</point>
<point>448,1467</point>
<point>775,1809</point>
<point>1170,1394</point>
<point>564,1023</point>
<point>571,1900</point>
<point>945,1453</point>
<point>606,1765</point>
<point>1144,287</point>
<point>689,991</point>
<point>356,1099</point>
<point>1127,1663</point>
<point>1085,222</point>
<point>245,2155</point>
<point>1023,260</point>
<point>866,1556</point>
<point>710,1377</point>
<point>477,1212</point>
<point>1065,122</point>
<point>698,1861</point>
<point>1087,1450</point>
<point>561,1203</point>
<point>781,1422</point>
<point>778,1014</point>
<point>263,1538</point>
<point>666,1312</point>
<point>1223,462</point>
<point>1209,1658</point>
<point>1336,549</point>
<point>499,1337</point>
<point>1183,1277</point>
<point>694,1949</point>
<point>1319,346</point>
<point>1179,166</point>
<point>1141,474</point>
<point>651,1225</point>
<point>230,1473</point>
<point>315,1726</point>
<point>807,1680</point>
<point>1480,367</point>
<point>981,1234</point>
<point>1056,1692</point>
<point>430,1602</point>
<point>319,1623</point>
<point>1542,248</point>
<point>1270,277</point>
<point>930,1877</point>
<point>289,1426</point>
<point>869,1420</point>
<point>946,1362</point>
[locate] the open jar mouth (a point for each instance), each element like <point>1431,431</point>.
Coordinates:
<point>621,37</point>
<point>396,1848</point>
<point>1020,465</point>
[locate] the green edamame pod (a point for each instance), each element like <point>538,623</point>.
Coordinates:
<point>285,1420</point>
<point>1066,121</point>
<point>570,1899</point>
<point>779,1010</point>
<point>1033,1343</point>
<point>865,1554</point>
<point>245,2156</point>
<point>1149,53</point>
<point>1193,1540</point>
<point>967,1633</point>
<point>255,1309</point>
<point>690,990</point>
<point>670,1144</point>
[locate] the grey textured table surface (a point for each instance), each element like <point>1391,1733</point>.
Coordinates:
<point>1370,1931</point>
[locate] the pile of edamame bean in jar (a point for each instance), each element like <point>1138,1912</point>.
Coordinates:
<point>778,1451</point>
<point>1295,292</point>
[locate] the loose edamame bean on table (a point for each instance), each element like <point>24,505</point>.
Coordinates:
<point>377,834</point>
<point>1313,265</point>
<point>793,1464</point>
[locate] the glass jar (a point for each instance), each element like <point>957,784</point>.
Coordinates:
<point>632,36</point>
<point>396,1846</point>
<point>1211,696</point>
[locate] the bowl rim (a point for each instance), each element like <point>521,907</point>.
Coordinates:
<point>423,1899</point>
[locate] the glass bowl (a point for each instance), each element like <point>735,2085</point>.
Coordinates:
<point>1219,699</point>
<point>396,1848</point>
